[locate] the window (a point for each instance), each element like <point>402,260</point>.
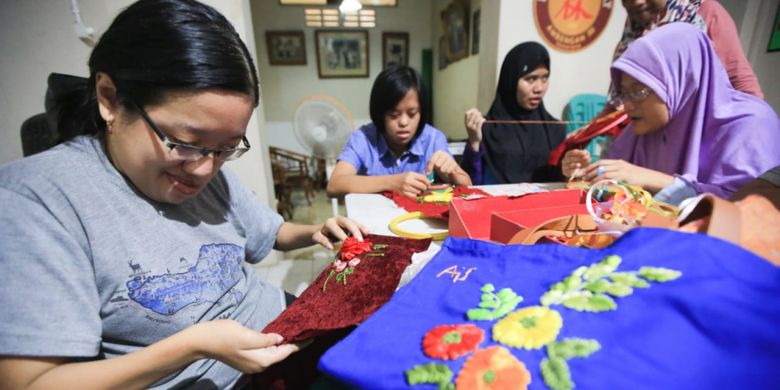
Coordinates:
<point>330,17</point>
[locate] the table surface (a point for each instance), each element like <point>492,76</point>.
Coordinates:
<point>375,211</point>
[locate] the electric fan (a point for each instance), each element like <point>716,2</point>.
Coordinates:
<point>322,125</point>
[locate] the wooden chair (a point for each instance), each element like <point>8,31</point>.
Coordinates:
<point>290,170</point>
<point>284,204</point>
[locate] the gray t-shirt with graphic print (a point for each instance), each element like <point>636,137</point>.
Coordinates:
<point>92,269</point>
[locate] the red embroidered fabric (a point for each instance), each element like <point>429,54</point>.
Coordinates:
<point>341,305</point>
<point>432,210</point>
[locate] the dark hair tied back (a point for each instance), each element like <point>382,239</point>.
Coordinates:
<point>158,46</point>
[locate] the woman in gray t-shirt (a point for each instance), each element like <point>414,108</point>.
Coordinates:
<point>126,248</point>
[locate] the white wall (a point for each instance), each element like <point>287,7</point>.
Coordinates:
<point>454,87</point>
<point>37,38</point>
<point>505,23</point>
<point>584,71</point>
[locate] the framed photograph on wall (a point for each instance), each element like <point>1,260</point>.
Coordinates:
<point>395,48</point>
<point>475,20</point>
<point>342,53</point>
<point>455,22</point>
<point>774,38</point>
<point>286,47</point>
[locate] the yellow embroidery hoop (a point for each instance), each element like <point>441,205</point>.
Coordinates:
<point>408,234</point>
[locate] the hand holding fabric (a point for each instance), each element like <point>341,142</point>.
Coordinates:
<point>648,179</point>
<point>338,228</point>
<point>573,161</point>
<point>443,164</point>
<point>242,348</point>
<point>410,184</point>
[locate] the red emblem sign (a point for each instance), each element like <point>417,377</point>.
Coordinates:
<point>571,25</point>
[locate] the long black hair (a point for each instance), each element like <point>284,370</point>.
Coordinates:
<point>390,87</point>
<point>154,47</point>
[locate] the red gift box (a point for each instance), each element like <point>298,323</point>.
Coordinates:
<point>499,218</point>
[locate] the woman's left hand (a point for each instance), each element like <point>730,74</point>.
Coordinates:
<point>443,164</point>
<point>337,229</point>
<point>648,179</point>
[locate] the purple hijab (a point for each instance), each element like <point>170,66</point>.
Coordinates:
<point>718,139</point>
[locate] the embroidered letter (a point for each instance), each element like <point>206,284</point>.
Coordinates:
<point>455,274</point>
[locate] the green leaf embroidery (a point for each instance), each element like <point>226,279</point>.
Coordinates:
<point>576,301</point>
<point>501,304</point>
<point>575,279</point>
<point>438,374</point>
<point>585,288</point>
<point>603,268</point>
<point>572,347</point>
<point>659,274</point>
<point>619,290</point>
<point>556,374</point>
<point>589,302</point>
<point>597,286</point>
<point>552,296</point>
<point>601,302</point>
<point>629,279</point>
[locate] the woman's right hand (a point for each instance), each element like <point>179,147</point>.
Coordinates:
<point>410,184</point>
<point>244,349</point>
<point>473,121</point>
<point>574,161</point>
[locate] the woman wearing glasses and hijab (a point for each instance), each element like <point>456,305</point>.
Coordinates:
<point>511,144</point>
<point>127,248</point>
<point>690,131</point>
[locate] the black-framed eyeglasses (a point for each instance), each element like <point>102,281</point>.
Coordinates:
<point>633,97</point>
<point>187,152</point>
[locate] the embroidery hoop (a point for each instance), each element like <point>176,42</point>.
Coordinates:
<point>393,226</point>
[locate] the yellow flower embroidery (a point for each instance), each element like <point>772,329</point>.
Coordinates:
<point>529,328</point>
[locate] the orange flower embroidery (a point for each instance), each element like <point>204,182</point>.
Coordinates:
<point>450,342</point>
<point>493,368</point>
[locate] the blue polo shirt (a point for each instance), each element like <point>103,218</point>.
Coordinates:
<point>368,152</point>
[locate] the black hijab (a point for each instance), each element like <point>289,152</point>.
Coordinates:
<point>518,152</point>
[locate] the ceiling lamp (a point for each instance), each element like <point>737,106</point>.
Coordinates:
<point>350,6</point>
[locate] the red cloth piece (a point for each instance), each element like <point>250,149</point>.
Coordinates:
<point>431,210</point>
<point>611,124</point>
<point>372,283</point>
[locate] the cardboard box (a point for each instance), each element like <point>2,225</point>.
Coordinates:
<point>499,218</point>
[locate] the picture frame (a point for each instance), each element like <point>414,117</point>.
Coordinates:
<point>774,37</point>
<point>455,23</point>
<point>395,48</point>
<point>475,22</point>
<point>342,53</point>
<point>286,47</point>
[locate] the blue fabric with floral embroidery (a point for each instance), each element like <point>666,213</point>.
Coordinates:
<point>715,326</point>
